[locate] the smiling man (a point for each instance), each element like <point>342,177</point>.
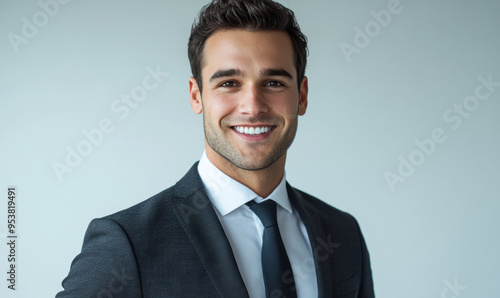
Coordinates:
<point>233,226</point>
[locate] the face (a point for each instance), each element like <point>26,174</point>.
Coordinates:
<point>250,99</point>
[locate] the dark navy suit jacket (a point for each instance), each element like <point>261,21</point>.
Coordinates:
<point>173,245</point>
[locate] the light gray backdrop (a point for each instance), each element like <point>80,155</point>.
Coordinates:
<point>401,129</point>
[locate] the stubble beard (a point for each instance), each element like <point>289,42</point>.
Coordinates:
<point>220,144</point>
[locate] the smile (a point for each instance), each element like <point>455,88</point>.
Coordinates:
<point>253,130</point>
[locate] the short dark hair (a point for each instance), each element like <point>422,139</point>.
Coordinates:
<point>252,15</point>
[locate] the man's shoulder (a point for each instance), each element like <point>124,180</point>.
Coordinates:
<point>324,210</point>
<point>157,203</point>
<point>160,207</point>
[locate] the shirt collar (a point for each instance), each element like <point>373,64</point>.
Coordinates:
<point>227,194</point>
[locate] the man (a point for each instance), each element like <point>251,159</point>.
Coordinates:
<point>233,226</point>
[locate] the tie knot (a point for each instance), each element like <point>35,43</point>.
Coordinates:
<point>266,211</point>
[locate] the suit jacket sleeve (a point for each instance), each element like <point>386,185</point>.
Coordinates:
<point>366,290</point>
<point>106,266</point>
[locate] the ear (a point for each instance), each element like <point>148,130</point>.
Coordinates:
<point>195,96</point>
<point>304,88</point>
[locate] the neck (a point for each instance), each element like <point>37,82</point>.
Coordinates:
<point>262,182</point>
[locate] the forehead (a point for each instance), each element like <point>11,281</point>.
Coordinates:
<point>248,50</point>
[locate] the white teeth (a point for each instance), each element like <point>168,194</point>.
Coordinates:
<point>252,130</point>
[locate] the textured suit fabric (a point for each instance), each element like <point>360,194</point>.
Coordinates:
<point>173,245</point>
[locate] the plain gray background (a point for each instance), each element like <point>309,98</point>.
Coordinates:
<point>435,233</point>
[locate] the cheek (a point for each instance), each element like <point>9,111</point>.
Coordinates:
<point>218,108</point>
<point>286,107</point>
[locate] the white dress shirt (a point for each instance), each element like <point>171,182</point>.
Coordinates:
<point>244,230</point>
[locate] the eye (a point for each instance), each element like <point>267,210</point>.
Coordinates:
<point>228,84</point>
<point>274,84</point>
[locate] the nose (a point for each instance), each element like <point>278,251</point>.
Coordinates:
<point>252,101</point>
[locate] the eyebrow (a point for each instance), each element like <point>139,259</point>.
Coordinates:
<point>226,73</point>
<point>267,72</point>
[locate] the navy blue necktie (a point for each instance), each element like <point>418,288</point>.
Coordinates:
<point>276,268</point>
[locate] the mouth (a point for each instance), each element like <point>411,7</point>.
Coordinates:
<point>254,130</point>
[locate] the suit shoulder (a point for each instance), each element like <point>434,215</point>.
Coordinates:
<point>159,209</point>
<point>150,208</point>
<point>326,210</point>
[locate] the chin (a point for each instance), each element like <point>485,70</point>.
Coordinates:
<point>254,164</point>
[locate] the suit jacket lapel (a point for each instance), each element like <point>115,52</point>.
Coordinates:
<point>201,224</point>
<point>317,238</point>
